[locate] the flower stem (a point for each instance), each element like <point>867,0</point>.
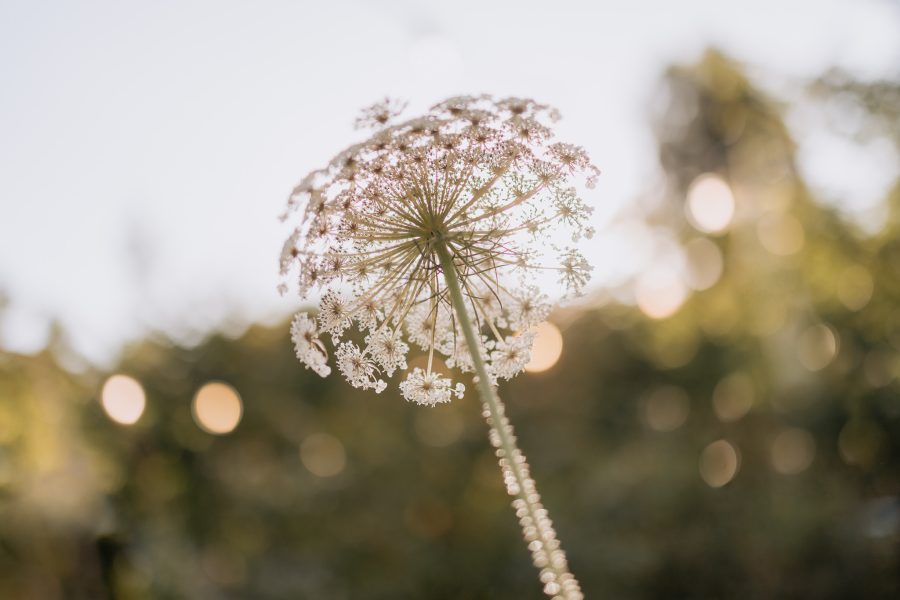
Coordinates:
<point>537,527</point>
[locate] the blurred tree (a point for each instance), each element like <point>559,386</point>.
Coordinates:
<point>864,109</point>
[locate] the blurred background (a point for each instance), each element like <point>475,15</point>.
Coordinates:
<point>718,418</point>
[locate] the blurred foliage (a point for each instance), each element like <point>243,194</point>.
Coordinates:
<point>792,358</point>
<point>866,109</point>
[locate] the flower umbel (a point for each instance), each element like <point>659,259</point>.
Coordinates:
<point>435,233</point>
<point>480,176</point>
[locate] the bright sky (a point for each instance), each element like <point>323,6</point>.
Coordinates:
<point>147,147</point>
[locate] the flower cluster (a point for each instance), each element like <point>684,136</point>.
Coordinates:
<point>479,179</point>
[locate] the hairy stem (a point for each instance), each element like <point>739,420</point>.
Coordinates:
<point>537,528</point>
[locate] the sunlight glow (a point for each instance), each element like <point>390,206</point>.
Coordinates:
<point>782,235</point>
<point>548,346</point>
<point>323,455</point>
<point>793,451</point>
<point>710,204</point>
<point>719,463</point>
<point>733,397</point>
<point>660,292</point>
<point>217,408</point>
<point>123,399</point>
<point>704,263</point>
<point>438,428</point>
<point>667,408</point>
<point>817,347</point>
<point>862,442</point>
<point>855,287</point>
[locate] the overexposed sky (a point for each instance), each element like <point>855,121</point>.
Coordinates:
<point>147,147</point>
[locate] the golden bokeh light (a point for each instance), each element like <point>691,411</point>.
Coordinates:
<point>879,369</point>
<point>323,455</point>
<point>780,234</point>
<point>428,517</point>
<point>855,287</point>
<point>548,346</point>
<point>438,427</point>
<point>123,399</point>
<point>217,408</point>
<point>767,319</point>
<point>666,408</point>
<point>660,292</point>
<point>719,463</point>
<point>862,442</point>
<point>817,347</point>
<point>720,315</point>
<point>733,397</point>
<point>704,263</point>
<point>792,451</point>
<point>710,204</point>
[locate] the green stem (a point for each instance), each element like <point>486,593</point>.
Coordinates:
<point>536,525</point>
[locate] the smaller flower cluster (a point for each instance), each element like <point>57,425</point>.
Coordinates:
<point>384,351</point>
<point>429,388</point>
<point>310,350</point>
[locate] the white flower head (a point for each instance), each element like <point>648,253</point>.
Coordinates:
<point>358,368</point>
<point>511,355</point>
<point>482,179</point>
<point>429,388</point>
<point>388,350</point>
<point>334,313</point>
<point>310,350</point>
<point>527,307</point>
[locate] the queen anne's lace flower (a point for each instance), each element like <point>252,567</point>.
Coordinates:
<point>511,355</point>
<point>334,314</point>
<point>429,388</point>
<point>388,350</point>
<point>527,307</point>
<point>481,178</point>
<point>358,368</point>
<point>309,349</point>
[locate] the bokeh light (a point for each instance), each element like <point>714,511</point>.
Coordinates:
<point>855,287</point>
<point>861,442</point>
<point>666,408</point>
<point>548,346</point>
<point>710,204</point>
<point>719,463</point>
<point>438,427</point>
<point>768,318</point>
<point>817,347</point>
<point>792,451</point>
<point>323,455</point>
<point>878,367</point>
<point>123,399</point>
<point>660,292</point>
<point>733,397</point>
<point>428,517</point>
<point>217,408</point>
<point>704,263</point>
<point>780,234</point>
